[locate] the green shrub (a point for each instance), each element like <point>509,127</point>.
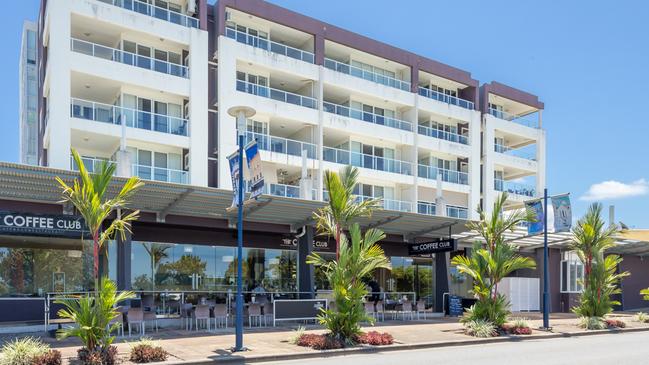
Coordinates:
<point>480,328</point>
<point>642,317</point>
<point>295,337</point>
<point>592,323</point>
<point>147,350</point>
<point>488,310</point>
<point>23,351</point>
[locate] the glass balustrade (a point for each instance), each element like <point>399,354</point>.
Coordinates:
<point>444,98</point>
<point>431,172</point>
<point>367,117</point>
<point>367,75</point>
<point>525,153</point>
<point>514,188</point>
<point>275,94</point>
<point>282,145</point>
<point>367,161</point>
<point>155,12</point>
<point>440,134</point>
<point>112,114</point>
<point>132,59</point>
<point>153,173</point>
<point>526,120</point>
<point>269,45</point>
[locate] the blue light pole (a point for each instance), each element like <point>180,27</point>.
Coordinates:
<point>546,274</point>
<point>242,113</point>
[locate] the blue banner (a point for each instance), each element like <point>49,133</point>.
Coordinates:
<point>536,227</point>
<point>562,213</point>
<point>255,170</point>
<point>234,171</point>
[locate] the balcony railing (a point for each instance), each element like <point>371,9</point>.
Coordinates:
<point>346,157</point>
<point>287,191</point>
<point>112,114</point>
<point>367,75</point>
<point>440,134</point>
<point>428,208</point>
<point>389,204</point>
<point>160,174</point>
<point>269,45</point>
<point>128,58</point>
<point>282,145</point>
<point>155,11</point>
<point>367,117</point>
<point>517,152</point>
<point>514,188</point>
<point>275,94</point>
<point>448,99</point>
<point>431,172</point>
<point>526,120</point>
<point>91,164</point>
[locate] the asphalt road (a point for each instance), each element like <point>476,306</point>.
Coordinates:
<point>609,349</point>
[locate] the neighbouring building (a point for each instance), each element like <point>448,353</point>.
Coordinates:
<point>147,85</point>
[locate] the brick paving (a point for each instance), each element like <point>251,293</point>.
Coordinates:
<point>205,346</point>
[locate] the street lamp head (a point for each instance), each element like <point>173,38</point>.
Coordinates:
<point>247,111</point>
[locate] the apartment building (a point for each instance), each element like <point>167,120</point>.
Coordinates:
<point>147,85</point>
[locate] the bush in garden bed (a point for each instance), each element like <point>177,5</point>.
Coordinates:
<point>480,328</point>
<point>52,357</point>
<point>642,317</point>
<point>22,351</point>
<point>517,326</point>
<point>104,356</point>
<point>319,342</point>
<point>375,338</point>
<point>147,350</point>
<point>614,323</point>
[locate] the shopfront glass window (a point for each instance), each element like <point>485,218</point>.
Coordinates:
<point>411,277</point>
<point>28,269</point>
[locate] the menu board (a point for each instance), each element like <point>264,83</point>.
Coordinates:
<point>455,308</point>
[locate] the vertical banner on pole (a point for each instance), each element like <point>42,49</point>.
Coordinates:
<point>256,182</point>
<point>562,212</point>
<point>233,159</point>
<point>537,207</point>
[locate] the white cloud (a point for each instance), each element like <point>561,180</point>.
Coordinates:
<point>614,190</point>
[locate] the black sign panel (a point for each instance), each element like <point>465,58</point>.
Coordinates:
<point>319,245</point>
<point>455,308</point>
<point>49,225</point>
<point>298,309</point>
<point>425,248</point>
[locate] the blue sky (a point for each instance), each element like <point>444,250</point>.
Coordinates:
<point>587,60</point>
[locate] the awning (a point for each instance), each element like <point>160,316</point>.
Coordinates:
<point>37,184</point>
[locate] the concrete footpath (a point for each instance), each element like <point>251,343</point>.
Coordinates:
<point>272,344</point>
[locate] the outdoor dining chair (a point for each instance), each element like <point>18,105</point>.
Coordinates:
<point>380,310</point>
<point>135,316</point>
<point>268,312</point>
<point>369,309</point>
<point>254,312</point>
<point>220,315</point>
<point>406,309</point>
<point>202,313</point>
<point>186,316</point>
<point>421,309</point>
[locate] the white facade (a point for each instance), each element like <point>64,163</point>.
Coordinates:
<point>28,112</point>
<point>107,64</point>
<point>132,88</point>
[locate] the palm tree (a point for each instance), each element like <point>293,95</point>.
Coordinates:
<point>343,206</point>
<point>357,260</point>
<point>492,260</point>
<point>590,240</point>
<point>90,197</point>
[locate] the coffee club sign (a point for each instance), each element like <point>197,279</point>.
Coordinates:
<point>427,248</point>
<point>291,242</point>
<point>49,225</point>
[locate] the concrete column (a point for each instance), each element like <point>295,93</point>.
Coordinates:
<point>198,104</point>
<point>58,98</point>
<point>441,279</point>
<point>412,116</point>
<point>305,272</point>
<point>474,164</point>
<point>488,191</point>
<point>123,262</point>
<point>227,126</point>
<point>540,160</point>
<point>320,132</point>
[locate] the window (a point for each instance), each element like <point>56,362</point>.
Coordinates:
<point>572,273</point>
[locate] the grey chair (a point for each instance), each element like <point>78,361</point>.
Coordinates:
<point>380,310</point>
<point>202,314</point>
<point>220,315</point>
<point>186,316</point>
<point>135,316</point>
<point>254,313</point>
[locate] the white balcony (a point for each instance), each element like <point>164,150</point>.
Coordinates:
<point>346,157</point>
<point>432,173</point>
<point>367,117</point>
<point>525,120</point>
<point>153,173</point>
<point>276,94</point>
<point>429,208</point>
<point>522,191</point>
<point>269,45</point>
<point>444,98</point>
<point>157,12</point>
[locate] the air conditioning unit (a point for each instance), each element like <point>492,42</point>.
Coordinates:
<point>191,7</point>
<point>186,164</point>
<point>228,16</point>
